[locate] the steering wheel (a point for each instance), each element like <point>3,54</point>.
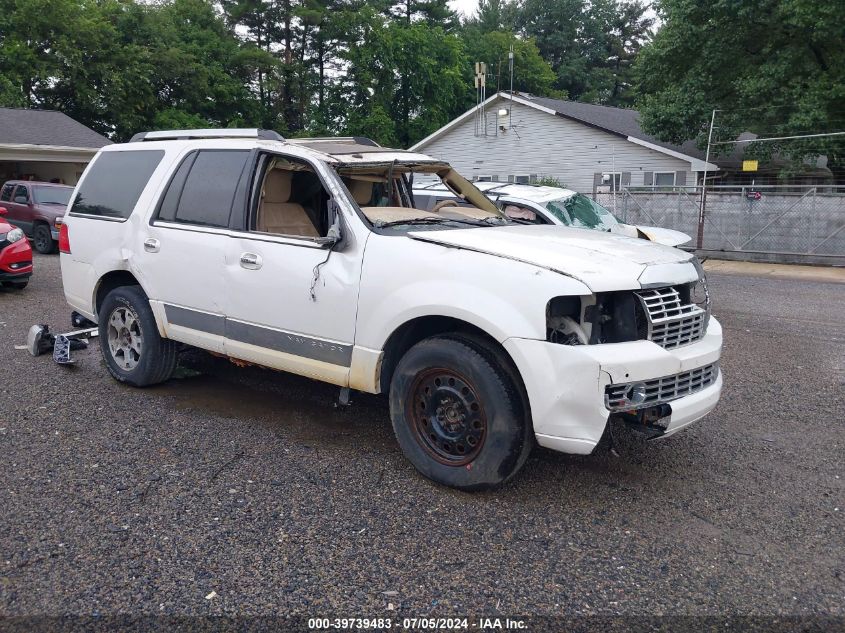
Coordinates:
<point>443,204</point>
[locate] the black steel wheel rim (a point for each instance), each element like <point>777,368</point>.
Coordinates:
<point>447,416</point>
<point>42,239</point>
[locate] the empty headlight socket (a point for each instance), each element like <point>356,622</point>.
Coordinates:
<point>613,318</point>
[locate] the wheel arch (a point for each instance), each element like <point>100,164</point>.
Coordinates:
<point>415,330</point>
<point>110,281</point>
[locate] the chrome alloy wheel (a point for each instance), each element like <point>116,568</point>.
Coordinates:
<point>125,338</point>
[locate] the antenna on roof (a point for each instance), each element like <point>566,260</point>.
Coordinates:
<point>480,97</point>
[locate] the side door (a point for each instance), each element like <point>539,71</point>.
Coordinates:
<point>291,296</point>
<point>20,208</point>
<point>182,250</point>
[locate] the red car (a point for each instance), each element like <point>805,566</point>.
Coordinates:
<point>15,255</point>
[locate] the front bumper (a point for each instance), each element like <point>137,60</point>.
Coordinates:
<point>566,384</point>
<point>15,261</point>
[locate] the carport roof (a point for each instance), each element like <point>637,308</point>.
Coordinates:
<point>46,127</point>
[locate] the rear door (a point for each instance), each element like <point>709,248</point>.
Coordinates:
<point>182,251</point>
<point>292,301</point>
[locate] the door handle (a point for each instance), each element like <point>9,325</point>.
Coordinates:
<point>152,245</point>
<point>250,261</point>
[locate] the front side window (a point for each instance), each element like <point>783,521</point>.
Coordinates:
<point>291,200</point>
<point>203,188</point>
<point>114,183</point>
<point>21,195</point>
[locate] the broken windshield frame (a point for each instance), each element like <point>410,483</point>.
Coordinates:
<point>391,202</point>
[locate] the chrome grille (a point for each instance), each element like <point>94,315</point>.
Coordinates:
<point>672,323</point>
<point>660,390</point>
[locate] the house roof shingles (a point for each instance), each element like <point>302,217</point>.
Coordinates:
<point>46,127</point>
<point>623,121</point>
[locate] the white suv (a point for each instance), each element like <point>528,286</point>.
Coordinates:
<point>309,256</point>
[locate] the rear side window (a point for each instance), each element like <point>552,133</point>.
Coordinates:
<point>203,188</point>
<point>6,195</point>
<point>114,183</point>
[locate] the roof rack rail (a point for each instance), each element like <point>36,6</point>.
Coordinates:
<point>358,140</point>
<point>170,135</point>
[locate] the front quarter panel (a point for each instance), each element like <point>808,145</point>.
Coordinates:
<point>403,279</point>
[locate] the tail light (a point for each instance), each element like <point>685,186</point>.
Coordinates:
<point>64,239</point>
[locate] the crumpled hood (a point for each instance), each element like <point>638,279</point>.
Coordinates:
<point>656,234</point>
<point>603,261</point>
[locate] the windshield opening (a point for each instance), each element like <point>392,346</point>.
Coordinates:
<point>582,212</point>
<point>52,195</point>
<point>384,194</point>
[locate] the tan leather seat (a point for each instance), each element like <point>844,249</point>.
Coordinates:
<point>361,190</point>
<point>276,214</point>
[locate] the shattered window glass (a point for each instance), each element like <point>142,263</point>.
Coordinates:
<point>582,212</point>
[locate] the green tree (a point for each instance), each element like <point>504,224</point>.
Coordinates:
<point>531,72</point>
<point>401,81</point>
<point>776,67</point>
<point>590,45</point>
<point>625,28</point>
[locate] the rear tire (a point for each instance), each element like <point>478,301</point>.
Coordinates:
<point>42,240</point>
<point>458,414</point>
<point>133,350</point>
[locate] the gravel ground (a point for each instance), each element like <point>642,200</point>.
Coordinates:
<point>251,485</point>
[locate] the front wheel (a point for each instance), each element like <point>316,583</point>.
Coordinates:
<point>42,239</point>
<point>458,415</point>
<point>134,351</point>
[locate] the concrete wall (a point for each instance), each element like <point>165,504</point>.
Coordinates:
<point>810,224</point>
<point>547,145</point>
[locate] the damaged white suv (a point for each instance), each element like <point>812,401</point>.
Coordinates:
<point>309,256</point>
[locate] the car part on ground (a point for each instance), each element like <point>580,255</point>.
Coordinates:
<point>39,340</point>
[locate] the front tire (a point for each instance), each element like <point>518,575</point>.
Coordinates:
<point>42,240</point>
<point>133,350</point>
<point>458,415</point>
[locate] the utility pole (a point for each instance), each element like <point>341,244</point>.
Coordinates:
<point>703,205</point>
<point>510,108</point>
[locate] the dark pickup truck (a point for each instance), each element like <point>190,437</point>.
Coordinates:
<point>37,208</point>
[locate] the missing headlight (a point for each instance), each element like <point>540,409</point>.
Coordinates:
<point>616,317</point>
<point>563,321</point>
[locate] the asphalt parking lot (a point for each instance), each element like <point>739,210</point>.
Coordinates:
<point>245,491</point>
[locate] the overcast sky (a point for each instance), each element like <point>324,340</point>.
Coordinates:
<point>467,7</point>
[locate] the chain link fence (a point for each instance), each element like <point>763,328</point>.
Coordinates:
<point>795,223</point>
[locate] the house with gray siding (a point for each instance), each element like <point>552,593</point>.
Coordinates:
<point>589,148</point>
